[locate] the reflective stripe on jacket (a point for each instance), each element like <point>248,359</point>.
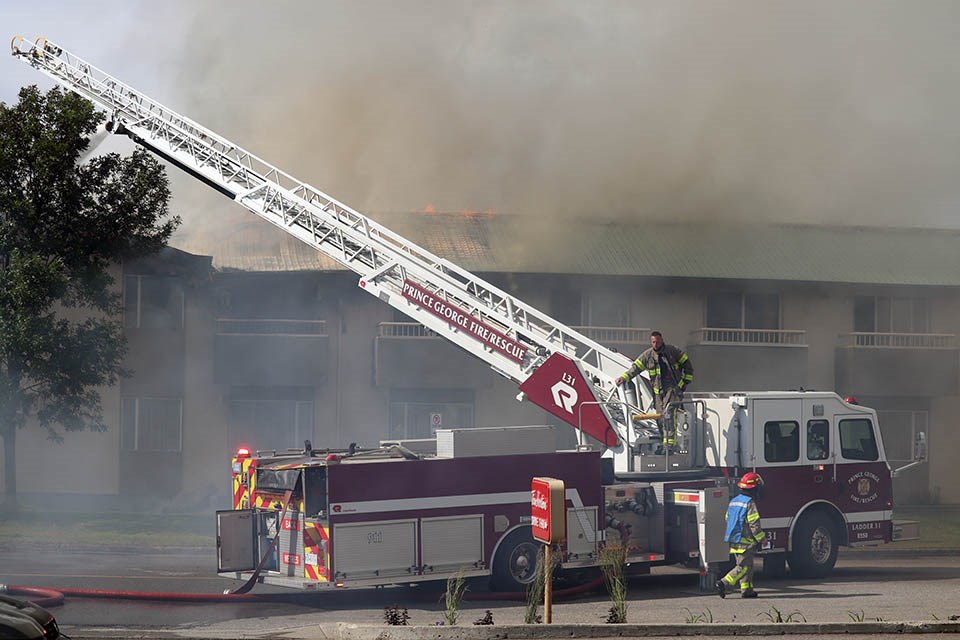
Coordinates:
<point>681,369</point>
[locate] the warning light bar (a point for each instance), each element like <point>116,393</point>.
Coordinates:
<point>243,452</point>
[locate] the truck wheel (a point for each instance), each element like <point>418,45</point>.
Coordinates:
<point>815,546</point>
<point>515,565</point>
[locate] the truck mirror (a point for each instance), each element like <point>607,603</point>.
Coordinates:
<point>920,447</point>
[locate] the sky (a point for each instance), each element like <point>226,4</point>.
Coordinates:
<point>821,112</point>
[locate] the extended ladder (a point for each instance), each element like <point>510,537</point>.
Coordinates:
<point>512,337</point>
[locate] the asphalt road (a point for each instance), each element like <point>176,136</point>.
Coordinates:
<point>868,587</point>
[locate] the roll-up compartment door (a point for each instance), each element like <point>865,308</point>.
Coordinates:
<point>374,549</point>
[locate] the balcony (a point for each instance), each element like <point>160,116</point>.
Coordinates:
<point>408,355</point>
<point>739,359</point>
<point>899,364</point>
<point>270,352</point>
<point>630,341</point>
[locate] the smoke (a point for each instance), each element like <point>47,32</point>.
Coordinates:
<point>821,112</point>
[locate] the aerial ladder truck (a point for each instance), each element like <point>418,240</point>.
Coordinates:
<point>399,526</point>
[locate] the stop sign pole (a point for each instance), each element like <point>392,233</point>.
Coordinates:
<point>548,523</point>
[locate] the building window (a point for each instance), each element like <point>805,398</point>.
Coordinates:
<point>900,429</point>
<point>270,423</point>
<point>781,441</point>
<point>151,302</point>
<point>151,424</point>
<point>607,309</point>
<point>418,413</point>
<point>731,310</point>
<point>857,441</point>
<point>880,314</point>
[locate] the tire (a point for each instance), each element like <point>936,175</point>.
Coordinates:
<point>815,546</point>
<point>515,565</point>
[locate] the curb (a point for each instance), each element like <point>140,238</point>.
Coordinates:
<point>349,631</point>
<point>352,631</point>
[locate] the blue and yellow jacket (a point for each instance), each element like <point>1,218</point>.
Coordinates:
<point>743,524</point>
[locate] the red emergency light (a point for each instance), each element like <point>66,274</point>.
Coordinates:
<point>850,400</point>
<point>243,452</point>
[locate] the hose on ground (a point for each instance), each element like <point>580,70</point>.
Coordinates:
<point>54,597</point>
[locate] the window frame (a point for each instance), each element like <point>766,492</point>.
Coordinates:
<point>845,451</point>
<point>884,310</point>
<point>770,446</point>
<point>826,451</point>
<point>137,405</point>
<point>744,298</point>
<point>136,303</point>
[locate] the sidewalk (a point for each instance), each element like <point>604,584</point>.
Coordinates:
<point>350,631</point>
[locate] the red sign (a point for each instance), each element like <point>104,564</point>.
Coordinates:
<point>547,510</point>
<point>457,317</point>
<point>560,387</point>
<point>291,558</point>
<point>290,524</point>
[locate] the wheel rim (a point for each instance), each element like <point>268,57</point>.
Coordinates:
<point>523,563</point>
<point>821,545</point>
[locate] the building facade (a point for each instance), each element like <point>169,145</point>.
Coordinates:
<point>226,353</point>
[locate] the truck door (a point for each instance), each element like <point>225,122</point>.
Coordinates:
<point>863,483</point>
<point>818,442</point>
<point>776,441</point>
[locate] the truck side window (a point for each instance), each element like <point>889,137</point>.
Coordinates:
<point>857,441</point>
<point>818,440</point>
<point>781,441</point>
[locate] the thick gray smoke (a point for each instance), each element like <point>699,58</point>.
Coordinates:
<point>823,112</point>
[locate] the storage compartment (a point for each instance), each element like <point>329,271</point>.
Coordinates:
<point>374,549</point>
<point>452,543</point>
<point>582,533</point>
<point>236,541</point>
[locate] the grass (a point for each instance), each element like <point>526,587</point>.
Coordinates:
<point>939,527</point>
<point>456,588</point>
<point>108,529</point>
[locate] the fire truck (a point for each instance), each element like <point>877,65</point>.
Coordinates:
<point>459,503</point>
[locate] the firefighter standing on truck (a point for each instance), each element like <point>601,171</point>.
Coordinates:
<point>744,534</point>
<point>671,372</point>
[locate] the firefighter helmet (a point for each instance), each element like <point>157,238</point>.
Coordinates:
<point>750,480</point>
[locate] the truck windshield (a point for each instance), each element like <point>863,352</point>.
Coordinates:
<point>857,441</point>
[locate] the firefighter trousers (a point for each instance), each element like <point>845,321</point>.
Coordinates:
<point>743,571</point>
<point>667,421</point>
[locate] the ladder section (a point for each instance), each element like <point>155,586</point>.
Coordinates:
<point>511,336</point>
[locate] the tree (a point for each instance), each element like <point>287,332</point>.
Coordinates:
<point>63,224</point>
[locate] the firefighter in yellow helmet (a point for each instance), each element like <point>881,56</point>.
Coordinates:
<point>744,534</point>
<point>671,372</point>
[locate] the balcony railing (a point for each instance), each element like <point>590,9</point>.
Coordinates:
<point>272,327</point>
<point>610,335</point>
<point>750,337</point>
<point>870,340</point>
<point>603,335</point>
<point>405,330</point>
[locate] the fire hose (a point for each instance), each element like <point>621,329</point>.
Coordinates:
<point>54,597</point>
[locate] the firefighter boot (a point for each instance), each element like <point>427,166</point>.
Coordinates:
<point>721,588</point>
<point>748,593</point>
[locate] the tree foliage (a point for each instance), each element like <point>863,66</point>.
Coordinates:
<point>63,223</point>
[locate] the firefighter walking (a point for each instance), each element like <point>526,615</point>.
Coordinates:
<point>744,534</point>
